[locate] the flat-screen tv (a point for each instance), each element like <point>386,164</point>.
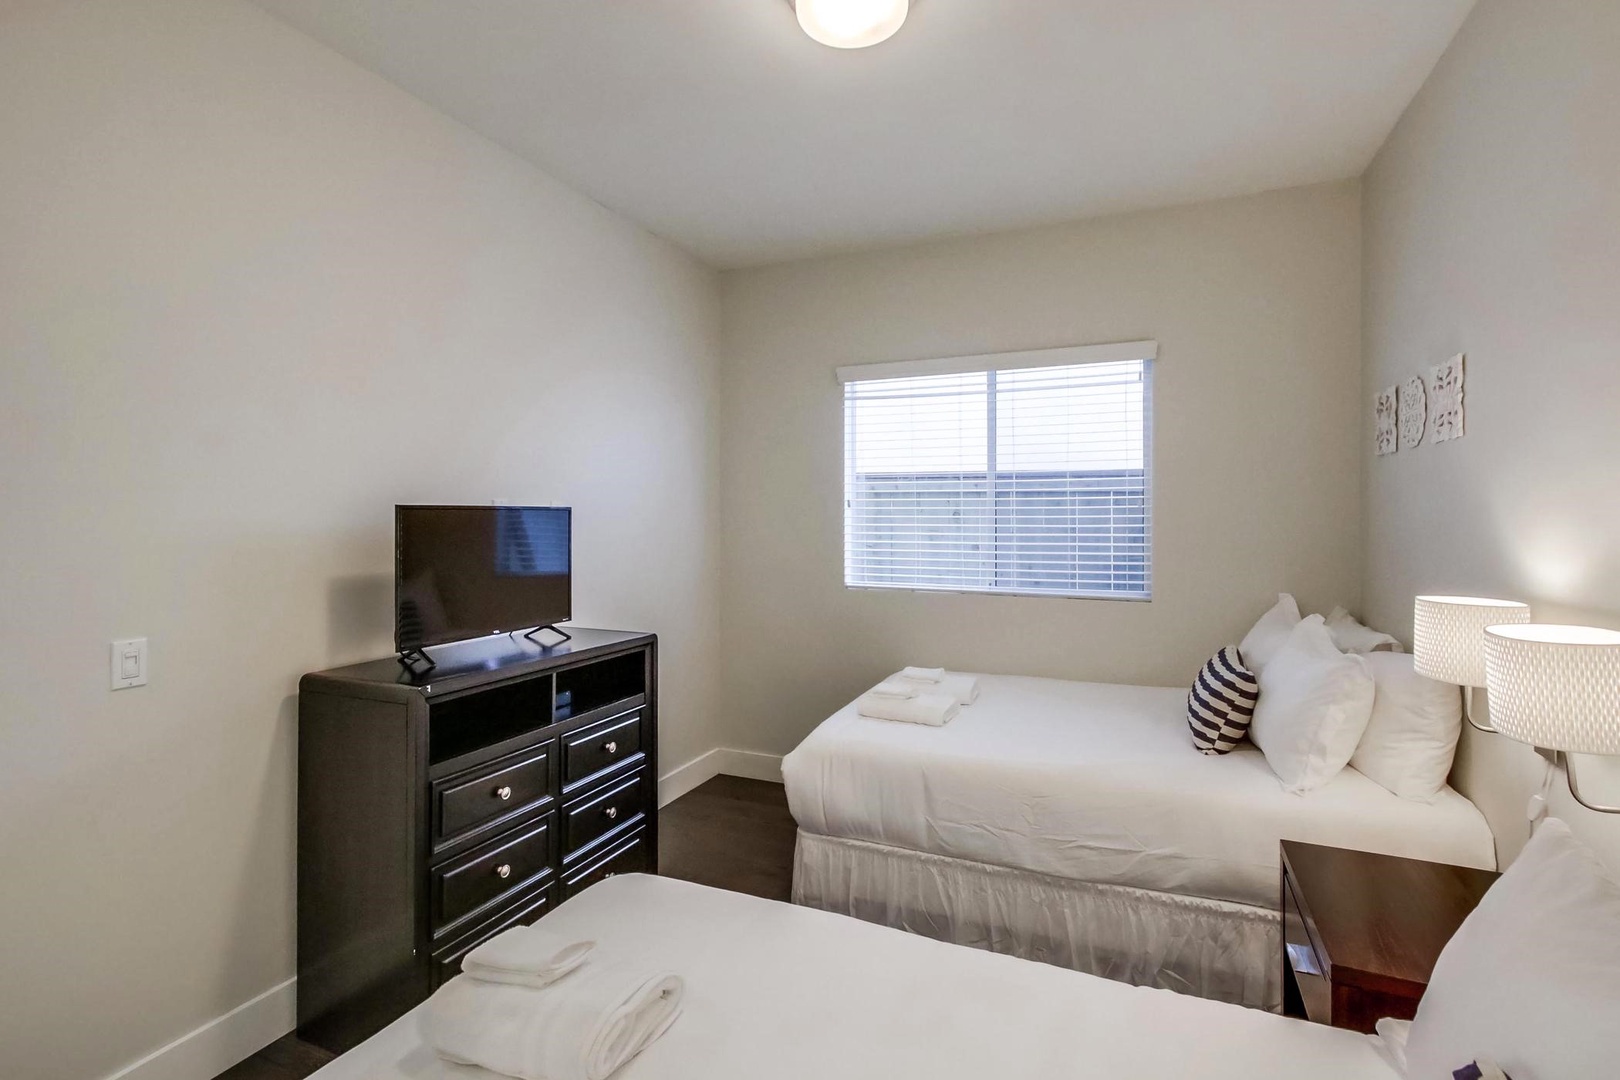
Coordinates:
<point>470,571</point>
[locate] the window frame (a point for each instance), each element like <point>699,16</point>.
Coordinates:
<point>1144,352</point>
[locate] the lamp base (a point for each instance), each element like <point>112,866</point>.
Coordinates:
<point>1575,789</point>
<point>1468,712</point>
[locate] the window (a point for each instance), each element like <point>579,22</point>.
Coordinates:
<point>1025,473</point>
<point>532,541</point>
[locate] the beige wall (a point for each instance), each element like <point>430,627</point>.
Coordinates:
<point>250,296</point>
<point>1492,227</point>
<point>1255,304</point>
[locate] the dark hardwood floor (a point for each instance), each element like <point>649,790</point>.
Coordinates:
<point>730,833</point>
<point>288,1058</point>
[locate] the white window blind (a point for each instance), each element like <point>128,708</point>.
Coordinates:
<point>1033,479</point>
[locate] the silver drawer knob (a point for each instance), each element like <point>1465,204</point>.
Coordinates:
<point>503,793</point>
<point>612,748</point>
<point>504,870</point>
<point>612,812</point>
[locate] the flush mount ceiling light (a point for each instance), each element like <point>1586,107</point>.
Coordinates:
<point>851,24</point>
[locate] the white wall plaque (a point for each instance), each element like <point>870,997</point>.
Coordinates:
<point>1446,400</point>
<point>1414,411</point>
<point>1386,438</point>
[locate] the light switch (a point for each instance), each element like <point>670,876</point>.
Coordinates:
<point>128,663</point>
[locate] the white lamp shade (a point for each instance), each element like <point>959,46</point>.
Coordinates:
<point>1448,635</point>
<point>851,24</point>
<point>1557,687</point>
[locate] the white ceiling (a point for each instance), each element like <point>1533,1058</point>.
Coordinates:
<point>719,125</point>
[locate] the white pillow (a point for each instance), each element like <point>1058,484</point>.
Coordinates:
<point>1262,641</point>
<point>1412,734</point>
<point>1531,979</point>
<point>1352,637</point>
<point>1314,705</point>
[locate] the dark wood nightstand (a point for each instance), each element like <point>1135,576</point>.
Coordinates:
<point>1361,932</point>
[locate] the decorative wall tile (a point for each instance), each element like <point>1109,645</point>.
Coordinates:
<point>1414,411</point>
<point>1386,410</point>
<point>1446,400</point>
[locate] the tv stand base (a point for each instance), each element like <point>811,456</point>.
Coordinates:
<point>566,636</point>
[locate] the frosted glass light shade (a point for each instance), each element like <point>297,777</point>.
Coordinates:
<point>1448,635</point>
<point>1556,687</point>
<point>851,24</point>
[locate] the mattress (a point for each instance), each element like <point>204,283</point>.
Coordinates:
<point>774,990</point>
<point>1100,783</point>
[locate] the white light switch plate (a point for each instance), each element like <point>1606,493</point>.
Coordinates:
<point>128,663</point>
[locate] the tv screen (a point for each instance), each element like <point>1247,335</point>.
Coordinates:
<point>469,571</point>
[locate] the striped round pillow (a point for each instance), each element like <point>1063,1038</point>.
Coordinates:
<point>1221,703</point>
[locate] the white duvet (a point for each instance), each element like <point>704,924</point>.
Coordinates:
<point>1097,782</point>
<point>777,992</point>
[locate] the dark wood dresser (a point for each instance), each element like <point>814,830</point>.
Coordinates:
<point>1362,932</point>
<point>436,810</point>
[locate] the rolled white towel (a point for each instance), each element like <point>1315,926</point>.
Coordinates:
<point>934,710</point>
<point>526,956</point>
<point>895,688</point>
<point>964,688</point>
<point>585,1026</point>
<point>923,674</point>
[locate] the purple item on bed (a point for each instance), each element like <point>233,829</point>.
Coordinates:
<point>1472,1071</point>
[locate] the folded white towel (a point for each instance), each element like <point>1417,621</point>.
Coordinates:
<point>963,688</point>
<point>526,956</point>
<point>934,710</point>
<point>896,688</point>
<point>585,1026</point>
<point>923,674</point>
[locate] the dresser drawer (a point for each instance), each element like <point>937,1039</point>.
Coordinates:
<point>481,879</point>
<point>613,743</point>
<point>447,961</point>
<point>608,810</point>
<point>480,798</point>
<point>624,856</point>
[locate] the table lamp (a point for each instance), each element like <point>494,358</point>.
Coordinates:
<point>1557,688</point>
<point>1448,640</point>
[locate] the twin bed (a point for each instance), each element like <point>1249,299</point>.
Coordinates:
<point>1075,823</point>
<point>774,990</point>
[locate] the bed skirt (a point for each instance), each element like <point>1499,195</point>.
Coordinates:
<point>1209,948</point>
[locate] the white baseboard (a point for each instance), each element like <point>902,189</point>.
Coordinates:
<point>222,1042</point>
<point>721,761</point>
<point>751,764</point>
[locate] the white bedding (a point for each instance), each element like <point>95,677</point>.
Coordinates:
<point>784,992</point>
<point>1100,783</point>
